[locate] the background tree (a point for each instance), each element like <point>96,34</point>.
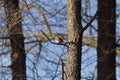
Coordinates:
<point>106,40</point>
<point>18,56</point>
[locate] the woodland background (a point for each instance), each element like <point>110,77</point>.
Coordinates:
<point>89,28</point>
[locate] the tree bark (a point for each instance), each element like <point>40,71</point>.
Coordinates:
<point>73,66</point>
<point>106,40</point>
<point>14,25</point>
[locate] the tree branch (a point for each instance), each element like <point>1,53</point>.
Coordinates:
<point>92,19</point>
<point>50,39</point>
<point>26,8</point>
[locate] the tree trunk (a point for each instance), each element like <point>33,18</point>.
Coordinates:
<point>106,40</point>
<point>73,66</point>
<point>18,56</point>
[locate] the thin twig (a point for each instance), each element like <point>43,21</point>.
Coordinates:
<point>62,69</point>
<point>29,6</point>
<point>89,23</point>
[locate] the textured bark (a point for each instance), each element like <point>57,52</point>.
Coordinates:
<point>106,40</point>
<point>73,66</point>
<point>16,39</point>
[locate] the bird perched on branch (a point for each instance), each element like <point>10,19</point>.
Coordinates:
<point>58,40</point>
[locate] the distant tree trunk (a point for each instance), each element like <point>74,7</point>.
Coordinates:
<point>18,56</point>
<point>73,66</point>
<point>106,40</point>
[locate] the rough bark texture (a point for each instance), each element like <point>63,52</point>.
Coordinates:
<point>106,40</point>
<point>75,40</point>
<point>16,39</point>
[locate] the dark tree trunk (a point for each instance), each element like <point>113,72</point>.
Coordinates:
<point>18,56</point>
<point>75,40</point>
<point>106,40</point>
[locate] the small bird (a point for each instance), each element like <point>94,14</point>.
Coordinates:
<point>58,40</point>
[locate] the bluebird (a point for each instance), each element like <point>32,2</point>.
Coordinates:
<point>58,40</point>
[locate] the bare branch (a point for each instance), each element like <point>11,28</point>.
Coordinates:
<point>62,69</point>
<point>50,40</point>
<point>92,19</point>
<point>26,8</point>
